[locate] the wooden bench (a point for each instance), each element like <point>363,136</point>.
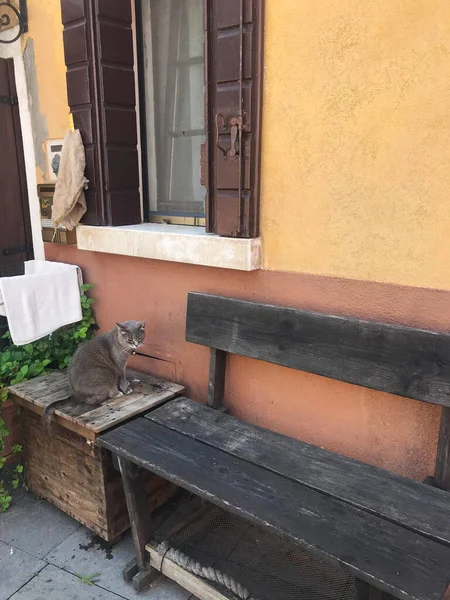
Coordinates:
<point>391,533</point>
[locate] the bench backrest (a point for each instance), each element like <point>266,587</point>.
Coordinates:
<point>401,360</point>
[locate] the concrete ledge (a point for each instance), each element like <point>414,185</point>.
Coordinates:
<point>174,243</point>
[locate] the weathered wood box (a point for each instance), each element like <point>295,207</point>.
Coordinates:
<point>68,468</point>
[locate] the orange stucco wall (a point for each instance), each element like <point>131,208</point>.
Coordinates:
<point>392,432</point>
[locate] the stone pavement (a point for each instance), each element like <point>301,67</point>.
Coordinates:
<point>46,555</point>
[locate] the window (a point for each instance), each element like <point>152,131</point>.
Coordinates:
<point>173,68</point>
<point>174,78</point>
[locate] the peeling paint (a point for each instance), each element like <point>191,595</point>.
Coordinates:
<point>38,119</point>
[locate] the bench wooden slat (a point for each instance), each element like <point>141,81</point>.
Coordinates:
<point>398,560</point>
<point>401,500</point>
<point>401,360</point>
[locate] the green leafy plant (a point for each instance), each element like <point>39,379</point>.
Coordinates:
<point>20,363</point>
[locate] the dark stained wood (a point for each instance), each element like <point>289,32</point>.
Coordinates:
<point>396,498</point>
<point>373,549</point>
<point>232,207</point>
<point>98,47</point>
<point>442,471</point>
<point>408,362</point>
<point>15,229</point>
<point>140,519</point>
<point>216,383</point>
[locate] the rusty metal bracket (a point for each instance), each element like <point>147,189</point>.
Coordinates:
<point>224,126</point>
<point>236,133</point>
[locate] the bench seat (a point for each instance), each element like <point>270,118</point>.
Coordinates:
<point>376,524</point>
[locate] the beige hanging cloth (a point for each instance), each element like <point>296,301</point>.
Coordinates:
<point>69,203</point>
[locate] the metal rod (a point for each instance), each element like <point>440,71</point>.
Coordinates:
<point>241,109</point>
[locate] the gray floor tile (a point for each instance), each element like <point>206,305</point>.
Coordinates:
<point>86,554</point>
<point>16,568</point>
<point>35,526</point>
<point>53,584</point>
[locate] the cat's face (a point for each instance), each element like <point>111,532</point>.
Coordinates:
<point>132,333</point>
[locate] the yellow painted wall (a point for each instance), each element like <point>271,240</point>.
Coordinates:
<point>45,28</point>
<point>356,134</point>
<point>356,139</point>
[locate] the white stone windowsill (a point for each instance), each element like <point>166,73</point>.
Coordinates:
<point>176,243</point>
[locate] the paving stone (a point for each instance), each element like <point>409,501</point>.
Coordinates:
<point>35,526</point>
<point>54,584</point>
<point>16,568</point>
<point>85,553</point>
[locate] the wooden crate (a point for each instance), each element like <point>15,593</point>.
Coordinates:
<point>68,468</point>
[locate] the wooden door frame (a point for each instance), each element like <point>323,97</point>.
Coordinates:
<point>20,159</point>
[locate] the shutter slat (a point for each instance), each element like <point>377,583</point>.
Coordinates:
<point>232,180</point>
<point>98,46</point>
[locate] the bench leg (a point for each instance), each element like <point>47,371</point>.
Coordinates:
<point>138,571</point>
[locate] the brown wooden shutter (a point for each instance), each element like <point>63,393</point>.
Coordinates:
<point>233,114</point>
<point>98,47</point>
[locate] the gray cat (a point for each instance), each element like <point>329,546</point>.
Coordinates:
<point>97,371</point>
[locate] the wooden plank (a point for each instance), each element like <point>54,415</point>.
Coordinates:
<point>140,520</point>
<point>43,390</point>
<point>442,470</point>
<point>61,469</point>
<point>396,498</point>
<point>39,392</point>
<point>216,383</point>
<point>408,362</point>
<point>62,421</point>
<point>386,555</point>
<point>121,409</point>
<point>202,589</point>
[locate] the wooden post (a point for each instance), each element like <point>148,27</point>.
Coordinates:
<point>138,571</point>
<point>216,383</point>
<point>442,470</point>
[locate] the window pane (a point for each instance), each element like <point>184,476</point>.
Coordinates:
<point>175,115</point>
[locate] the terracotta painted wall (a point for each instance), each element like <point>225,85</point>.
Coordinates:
<point>395,433</point>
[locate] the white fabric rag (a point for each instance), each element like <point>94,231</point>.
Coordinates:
<point>38,303</point>
<point>69,203</point>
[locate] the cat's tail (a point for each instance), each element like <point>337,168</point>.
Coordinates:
<point>50,409</point>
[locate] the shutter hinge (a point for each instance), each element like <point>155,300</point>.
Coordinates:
<point>10,100</point>
<point>18,249</point>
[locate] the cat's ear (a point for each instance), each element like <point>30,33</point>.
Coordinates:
<point>142,324</point>
<point>122,328</point>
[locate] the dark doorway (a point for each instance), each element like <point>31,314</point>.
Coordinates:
<point>15,227</point>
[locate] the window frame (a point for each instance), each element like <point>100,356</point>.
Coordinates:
<point>147,130</point>
<point>100,56</point>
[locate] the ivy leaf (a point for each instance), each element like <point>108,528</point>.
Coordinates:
<point>24,370</point>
